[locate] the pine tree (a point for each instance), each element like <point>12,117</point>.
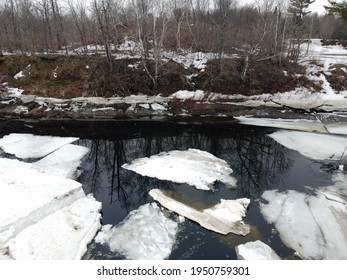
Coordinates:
<point>338,8</point>
<point>299,9</point>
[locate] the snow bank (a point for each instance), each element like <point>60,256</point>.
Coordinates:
<point>145,234</point>
<point>313,145</point>
<point>193,167</point>
<point>28,193</point>
<point>31,146</point>
<point>185,94</point>
<point>63,235</point>
<point>294,124</point>
<point>313,225</point>
<point>224,217</point>
<point>256,250</point>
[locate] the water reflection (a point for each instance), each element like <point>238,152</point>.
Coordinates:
<point>257,163</point>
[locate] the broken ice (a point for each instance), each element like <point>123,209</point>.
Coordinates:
<point>194,167</point>
<point>313,145</point>
<point>224,217</point>
<point>312,224</point>
<point>145,234</point>
<point>43,214</point>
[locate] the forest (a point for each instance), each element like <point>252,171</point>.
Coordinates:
<point>261,37</point>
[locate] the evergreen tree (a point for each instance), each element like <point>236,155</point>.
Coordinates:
<point>299,9</point>
<point>338,8</point>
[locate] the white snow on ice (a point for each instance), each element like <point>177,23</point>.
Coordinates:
<point>28,196</point>
<point>313,145</point>
<point>32,146</point>
<point>43,214</point>
<point>312,224</point>
<point>63,162</point>
<point>194,167</point>
<point>256,251</point>
<point>224,217</point>
<point>146,234</point>
<point>63,235</point>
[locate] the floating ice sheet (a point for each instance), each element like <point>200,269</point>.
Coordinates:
<point>28,196</point>
<point>31,146</point>
<point>63,235</point>
<point>256,250</point>
<point>295,124</point>
<point>313,225</point>
<point>63,162</point>
<point>193,167</point>
<point>313,145</point>
<point>224,217</point>
<point>145,234</point>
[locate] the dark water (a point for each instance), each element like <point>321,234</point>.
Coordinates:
<point>257,161</point>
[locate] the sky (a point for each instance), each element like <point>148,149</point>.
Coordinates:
<point>318,6</point>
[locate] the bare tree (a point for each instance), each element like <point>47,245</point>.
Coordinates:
<point>222,19</point>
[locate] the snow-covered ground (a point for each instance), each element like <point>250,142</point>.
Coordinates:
<point>194,167</point>
<point>324,57</point>
<point>43,213</point>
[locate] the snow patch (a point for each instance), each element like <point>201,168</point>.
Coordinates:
<point>146,234</point>
<point>193,95</point>
<point>194,167</point>
<point>19,75</point>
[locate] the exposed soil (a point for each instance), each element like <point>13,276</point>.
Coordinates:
<point>64,76</point>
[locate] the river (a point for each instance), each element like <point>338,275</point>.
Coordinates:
<point>258,163</point>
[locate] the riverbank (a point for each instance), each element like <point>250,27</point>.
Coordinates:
<point>324,90</point>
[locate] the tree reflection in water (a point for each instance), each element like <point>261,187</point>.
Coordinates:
<point>255,159</point>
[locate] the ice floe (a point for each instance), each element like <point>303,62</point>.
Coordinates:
<point>312,224</point>
<point>194,167</point>
<point>256,250</point>
<point>313,145</point>
<point>63,235</point>
<point>294,124</point>
<point>224,217</point>
<point>145,234</point>
<point>43,213</point>
<point>63,162</point>
<point>32,146</point>
<point>27,196</point>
